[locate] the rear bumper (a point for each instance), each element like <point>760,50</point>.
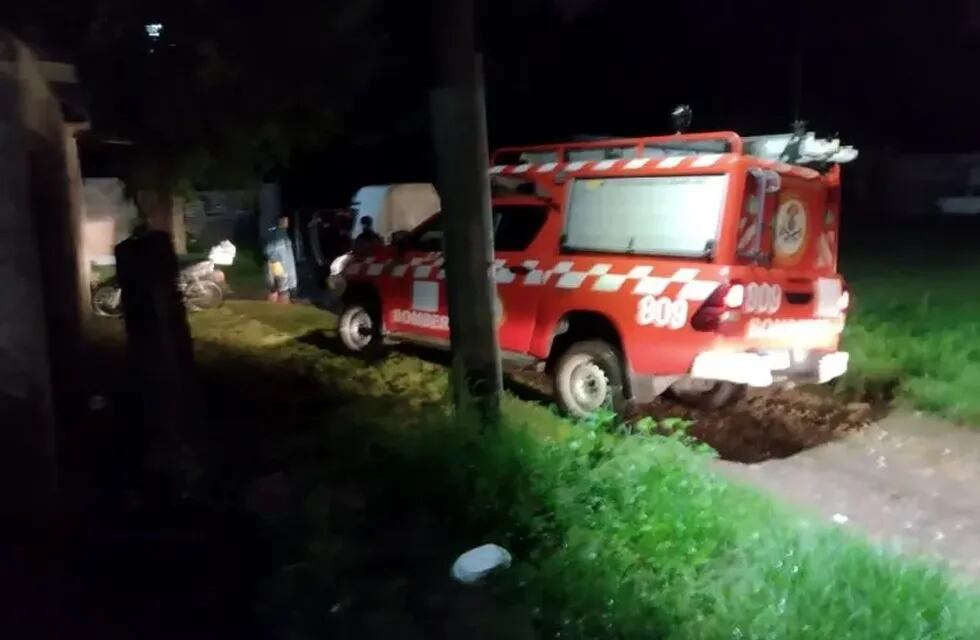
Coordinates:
<point>766,369</point>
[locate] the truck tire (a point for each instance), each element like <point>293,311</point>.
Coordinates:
<point>713,395</point>
<point>359,330</point>
<point>588,378</point>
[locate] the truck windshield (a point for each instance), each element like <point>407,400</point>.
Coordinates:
<point>677,216</point>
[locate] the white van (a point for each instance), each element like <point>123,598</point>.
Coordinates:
<point>395,207</point>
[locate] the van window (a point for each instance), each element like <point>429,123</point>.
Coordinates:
<point>646,215</point>
<point>514,229</point>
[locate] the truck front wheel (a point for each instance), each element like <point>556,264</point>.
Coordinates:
<point>588,378</point>
<point>359,330</point>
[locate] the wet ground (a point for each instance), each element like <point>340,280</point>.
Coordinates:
<point>761,426</point>
<point>907,479</point>
<point>767,424</point>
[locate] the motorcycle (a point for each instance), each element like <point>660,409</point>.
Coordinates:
<point>201,285</point>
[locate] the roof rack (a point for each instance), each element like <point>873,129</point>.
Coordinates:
<point>617,148</point>
<point>803,149</point>
<point>800,149</point>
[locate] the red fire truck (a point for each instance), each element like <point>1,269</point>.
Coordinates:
<point>695,263</point>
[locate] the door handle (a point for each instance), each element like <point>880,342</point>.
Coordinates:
<point>519,269</point>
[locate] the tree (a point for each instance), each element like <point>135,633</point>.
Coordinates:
<point>220,92</point>
<point>460,136</point>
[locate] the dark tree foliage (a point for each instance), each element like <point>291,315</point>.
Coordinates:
<point>225,90</point>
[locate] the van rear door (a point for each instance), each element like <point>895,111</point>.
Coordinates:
<point>792,290</point>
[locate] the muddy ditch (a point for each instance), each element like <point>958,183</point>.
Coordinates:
<point>767,424</point>
<point>763,425</point>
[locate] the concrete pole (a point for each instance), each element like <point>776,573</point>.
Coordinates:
<point>460,136</point>
<point>77,204</point>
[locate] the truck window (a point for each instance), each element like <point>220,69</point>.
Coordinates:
<point>645,215</point>
<point>516,226</point>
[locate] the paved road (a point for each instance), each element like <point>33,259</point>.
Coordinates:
<point>908,478</point>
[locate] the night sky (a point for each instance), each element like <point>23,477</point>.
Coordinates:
<point>898,74</point>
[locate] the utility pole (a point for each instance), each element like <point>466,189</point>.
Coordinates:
<point>460,136</point>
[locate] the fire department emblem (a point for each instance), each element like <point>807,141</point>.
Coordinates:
<point>790,231</point>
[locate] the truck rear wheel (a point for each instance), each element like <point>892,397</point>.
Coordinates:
<point>708,394</point>
<point>589,378</point>
<point>359,330</point>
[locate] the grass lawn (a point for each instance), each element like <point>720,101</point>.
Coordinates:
<point>914,331</point>
<point>613,537</point>
<point>247,275</point>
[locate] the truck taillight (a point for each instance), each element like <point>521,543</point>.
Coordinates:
<point>735,296</point>
<point>717,307</point>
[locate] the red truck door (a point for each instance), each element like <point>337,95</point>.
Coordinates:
<point>414,295</point>
<point>521,254</point>
<point>792,295</point>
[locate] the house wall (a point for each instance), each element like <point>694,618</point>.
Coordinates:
<point>44,303</point>
<point>109,217</point>
<point>210,217</point>
<point>214,216</point>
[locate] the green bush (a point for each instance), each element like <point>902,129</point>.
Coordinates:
<point>614,537</point>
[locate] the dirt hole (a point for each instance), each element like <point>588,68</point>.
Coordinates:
<point>767,424</point>
<point>763,425</point>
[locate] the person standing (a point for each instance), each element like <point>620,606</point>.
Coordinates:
<point>368,237</point>
<point>280,262</point>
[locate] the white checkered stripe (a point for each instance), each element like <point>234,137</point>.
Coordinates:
<point>672,165</point>
<point>600,167</point>
<point>747,231</point>
<point>641,280</point>
<point>825,250</point>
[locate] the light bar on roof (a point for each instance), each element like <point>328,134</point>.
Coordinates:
<point>811,149</point>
